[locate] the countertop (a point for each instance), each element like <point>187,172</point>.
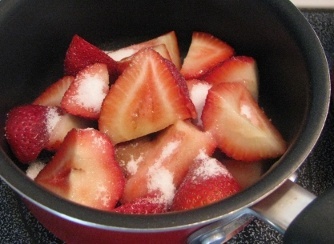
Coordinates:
<point>316,174</point>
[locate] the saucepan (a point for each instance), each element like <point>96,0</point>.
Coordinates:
<point>294,90</point>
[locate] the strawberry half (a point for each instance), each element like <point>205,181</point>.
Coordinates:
<point>81,53</point>
<point>241,128</point>
<point>28,129</point>
<point>207,181</point>
<point>236,69</point>
<point>149,96</point>
<point>205,52</point>
<point>169,40</point>
<point>53,95</point>
<point>150,204</point>
<point>84,170</point>
<point>167,161</point>
<point>85,95</point>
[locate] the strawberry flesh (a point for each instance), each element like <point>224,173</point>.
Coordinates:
<point>84,170</point>
<point>207,181</point>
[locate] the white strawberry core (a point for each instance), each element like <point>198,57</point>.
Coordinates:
<point>198,94</point>
<point>209,167</point>
<point>52,118</point>
<point>91,92</point>
<point>161,179</point>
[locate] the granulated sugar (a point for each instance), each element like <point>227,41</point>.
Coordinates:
<point>198,94</point>
<point>91,92</point>
<point>132,165</point>
<point>52,118</point>
<point>159,178</point>
<point>209,167</point>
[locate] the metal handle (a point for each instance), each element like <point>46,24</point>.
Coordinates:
<point>278,209</point>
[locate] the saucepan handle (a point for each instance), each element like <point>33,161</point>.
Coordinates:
<point>285,209</point>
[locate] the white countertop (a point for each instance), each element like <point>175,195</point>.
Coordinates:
<point>324,4</point>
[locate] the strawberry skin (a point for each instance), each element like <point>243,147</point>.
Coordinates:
<point>53,95</point>
<point>165,164</point>
<point>207,181</point>
<point>84,170</point>
<point>236,69</point>
<point>240,127</point>
<point>150,204</point>
<point>205,52</point>
<point>149,96</point>
<point>28,128</point>
<point>85,95</point>
<point>81,53</point>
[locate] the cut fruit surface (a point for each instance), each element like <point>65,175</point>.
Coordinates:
<point>239,125</point>
<point>149,96</point>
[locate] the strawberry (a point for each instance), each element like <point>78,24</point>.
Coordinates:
<point>54,93</point>
<point>207,181</point>
<point>236,69</point>
<point>85,95</point>
<point>165,164</point>
<point>84,170</point>
<point>161,49</point>
<point>205,52</point>
<point>150,204</point>
<point>81,53</point>
<point>198,91</point>
<point>169,40</point>
<point>130,154</point>
<point>241,128</point>
<point>149,96</point>
<point>28,129</point>
<point>66,123</point>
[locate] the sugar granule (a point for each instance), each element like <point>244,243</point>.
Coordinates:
<point>91,92</point>
<point>132,165</point>
<point>198,94</point>
<point>52,118</point>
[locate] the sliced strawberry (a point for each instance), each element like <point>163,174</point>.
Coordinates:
<point>169,40</point>
<point>150,204</point>
<point>198,90</point>
<point>236,69</point>
<point>54,93</point>
<point>28,129</point>
<point>131,153</point>
<point>66,123</point>
<point>149,96</point>
<point>84,170</point>
<point>166,163</point>
<point>161,49</point>
<point>85,95</point>
<point>205,52</point>
<point>81,53</point>
<point>207,181</point>
<point>240,127</point>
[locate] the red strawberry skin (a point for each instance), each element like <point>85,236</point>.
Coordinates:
<point>84,170</point>
<point>26,131</point>
<point>82,53</point>
<point>207,181</point>
<point>150,204</point>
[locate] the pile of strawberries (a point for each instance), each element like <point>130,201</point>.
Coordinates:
<point>135,130</point>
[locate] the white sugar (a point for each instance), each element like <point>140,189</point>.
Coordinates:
<point>91,92</point>
<point>161,179</point>
<point>198,94</point>
<point>132,165</point>
<point>34,169</point>
<point>209,167</point>
<point>52,118</point>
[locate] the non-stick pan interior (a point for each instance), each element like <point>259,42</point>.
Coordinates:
<point>294,84</point>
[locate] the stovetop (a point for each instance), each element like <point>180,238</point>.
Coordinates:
<point>17,225</point>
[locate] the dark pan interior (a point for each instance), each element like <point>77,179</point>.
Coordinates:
<point>294,84</point>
